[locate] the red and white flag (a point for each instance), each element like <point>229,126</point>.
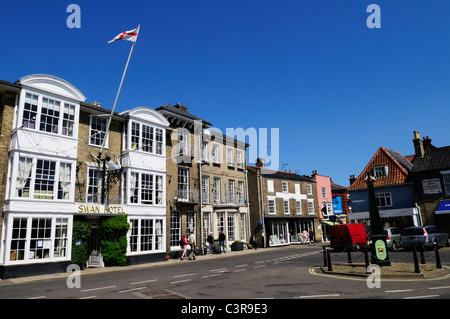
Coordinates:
<point>127,35</point>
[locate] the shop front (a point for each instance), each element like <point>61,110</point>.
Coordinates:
<point>289,230</point>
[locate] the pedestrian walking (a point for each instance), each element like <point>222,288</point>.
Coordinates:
<point>305,236</point>
<point>222,239</point>
<point>191,241</point>
<point>253,242</point>
<point>210,240</point>
<point>183,244</point>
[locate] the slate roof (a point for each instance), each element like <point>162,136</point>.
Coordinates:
<point>270,173</point>
<point>178,111</point>
<point>434,159</point>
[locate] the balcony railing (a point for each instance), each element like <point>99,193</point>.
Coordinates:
<point>187,195</point>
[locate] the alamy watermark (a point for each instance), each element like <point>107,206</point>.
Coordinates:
<point>74,19</point>
<point>212,145</point>
<point>374,279</point>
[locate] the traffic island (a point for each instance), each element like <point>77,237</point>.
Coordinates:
<point>396,270</point>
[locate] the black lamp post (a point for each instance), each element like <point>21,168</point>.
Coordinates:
<point>378,246</point>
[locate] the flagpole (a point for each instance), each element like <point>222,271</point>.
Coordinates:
<point>117,96</point>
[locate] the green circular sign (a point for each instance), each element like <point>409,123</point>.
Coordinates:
<point>380,249</point>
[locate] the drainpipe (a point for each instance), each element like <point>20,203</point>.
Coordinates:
<point>248,206</point>
<point>262,210</point>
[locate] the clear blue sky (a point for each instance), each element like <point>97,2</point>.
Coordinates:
<point>336,89</point>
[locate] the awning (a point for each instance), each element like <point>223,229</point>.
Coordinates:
<point>444,207</point>
<point>327,222</point>
<point>386,213</point>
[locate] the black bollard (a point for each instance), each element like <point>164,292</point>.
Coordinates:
<point>330,268</point>
<point>366,257</point>
<point>325,263</point>
<point>438,258</point>
<point>349,256</point>
<point>416,262</point>
<point>422,256</point>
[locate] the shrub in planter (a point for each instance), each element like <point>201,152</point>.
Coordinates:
<point>81,233</point>
<point>113,232</point>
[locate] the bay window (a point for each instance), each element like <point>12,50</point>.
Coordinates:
<point>146,235</point>
<point>38,239</point>
<point>53,116</point>
<point>146,189</point>
<point>43,179</point>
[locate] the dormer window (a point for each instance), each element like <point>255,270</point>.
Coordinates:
<point>380,171</point>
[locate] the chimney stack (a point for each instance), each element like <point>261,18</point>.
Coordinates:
<point>352,179</point>
<point>260,162</point>
<point>418,145</point>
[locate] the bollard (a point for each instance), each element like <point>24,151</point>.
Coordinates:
<point>422,257</point>
<point>438,258</point>
<point>366,257</point>
<point>416,262</point>
<point>330,268</point>
<point>324,256</point>
<point>349,256</point>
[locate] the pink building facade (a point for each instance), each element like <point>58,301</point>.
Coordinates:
<point>325,202</point>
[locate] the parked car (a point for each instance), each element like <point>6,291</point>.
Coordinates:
<point>348,235</point>
<point>428,236</point>
<point>393,237</point>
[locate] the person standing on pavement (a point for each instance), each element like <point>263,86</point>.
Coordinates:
<point>183,244</point>
<point>253,242</point>
<point>222,239</point>
<point>210,240</point>
<point>192,242</point>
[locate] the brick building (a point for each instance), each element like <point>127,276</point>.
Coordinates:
<point>283,204</point>
<point>206,185</point>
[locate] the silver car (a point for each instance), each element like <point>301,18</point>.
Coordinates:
<point>393,237</point>
<point>428,236</point>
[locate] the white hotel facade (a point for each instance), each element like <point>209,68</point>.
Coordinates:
<point>44,166</point>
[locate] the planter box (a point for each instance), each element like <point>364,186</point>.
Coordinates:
<point>237,246</point>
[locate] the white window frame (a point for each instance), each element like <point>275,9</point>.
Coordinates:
<point>230,156</point>
<point>298,206</point>
<point>32,178</point>
<point>65,124</point>
<point>175,229</point>
<point>216,153</point>
<point>183,181</point>
<point>98,132</point>
<point>270,200</point>
<point>324,192</point>
<point>156,190</point>
<point>286,206</point>
<point>240,159</point>
<point>382,199</point>
<point>155,233</point>
<point>216,190</point>
<point>309,189</point>
<point>285,187</point>
<point>50,242</point>
<point>310,206</point>
<point>381,171</point>
<point>270,185</point>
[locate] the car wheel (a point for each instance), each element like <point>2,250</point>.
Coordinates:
<point>394,246</point>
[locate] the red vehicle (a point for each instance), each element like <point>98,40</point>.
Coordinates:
<point>348,235</point>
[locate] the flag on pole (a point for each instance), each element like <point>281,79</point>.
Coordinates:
<point>127,35</point>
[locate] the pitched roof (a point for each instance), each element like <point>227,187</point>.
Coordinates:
<point>436,158</point>
<point>181,111</point>
<point>266,172</point>
<point>398,169</point>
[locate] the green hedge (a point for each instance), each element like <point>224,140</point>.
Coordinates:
<point>81,231</point>
<point>113,232</point>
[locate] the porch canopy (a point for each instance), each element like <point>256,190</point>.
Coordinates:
<point>386,213</point>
